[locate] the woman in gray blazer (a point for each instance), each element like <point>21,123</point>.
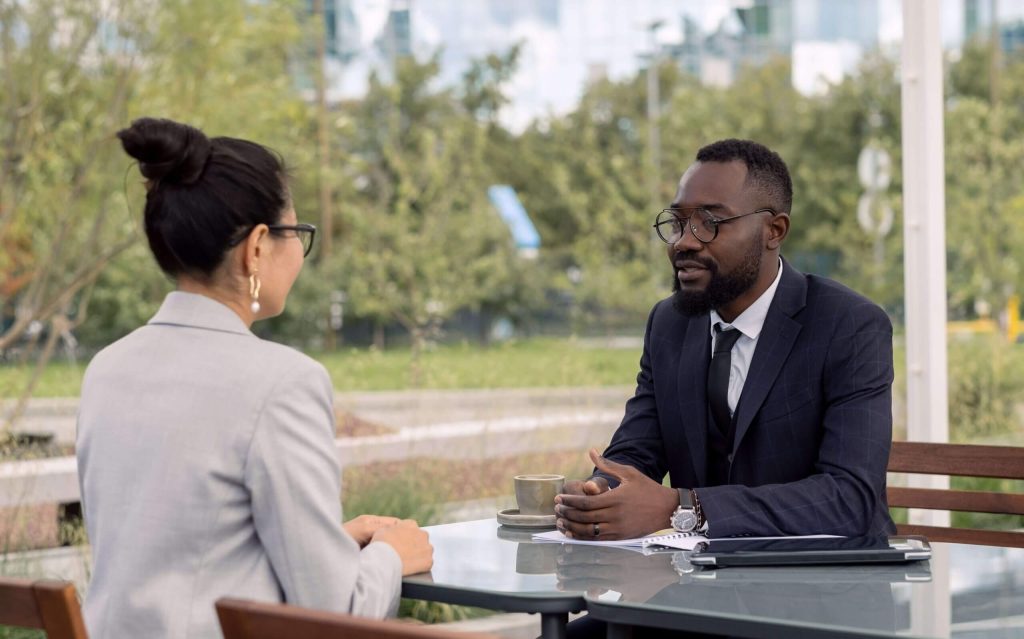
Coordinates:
<point>205,454</point>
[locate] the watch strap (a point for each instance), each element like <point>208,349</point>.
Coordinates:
<point>685,498</point>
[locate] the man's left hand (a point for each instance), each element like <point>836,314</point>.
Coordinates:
<point>638,507</point>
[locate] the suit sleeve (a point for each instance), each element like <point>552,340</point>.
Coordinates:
<point>294,480</point>
<point>842,496</point>
<point>637,442</point>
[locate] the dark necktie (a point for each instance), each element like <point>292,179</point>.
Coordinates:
<point>718,376</point>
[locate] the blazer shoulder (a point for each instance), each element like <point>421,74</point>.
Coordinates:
<point>288,361</point>
<point>832,297</point>
<point>664,313</point>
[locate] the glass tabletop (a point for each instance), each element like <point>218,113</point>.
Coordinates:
<point>964,591</point>
<point>483,564</point>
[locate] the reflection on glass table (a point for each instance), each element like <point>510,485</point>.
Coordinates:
<point>965,591</point>
<point>479,563</point>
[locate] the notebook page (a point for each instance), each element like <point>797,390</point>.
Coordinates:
<point>660,538</point>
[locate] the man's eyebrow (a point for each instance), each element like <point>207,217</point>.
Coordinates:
<point>710,207</point>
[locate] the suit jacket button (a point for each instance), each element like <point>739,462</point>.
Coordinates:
<point>730,459</point>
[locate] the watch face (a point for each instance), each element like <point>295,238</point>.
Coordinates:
<point>684,519</point>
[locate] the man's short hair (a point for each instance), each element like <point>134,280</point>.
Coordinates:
<point>765,169</point>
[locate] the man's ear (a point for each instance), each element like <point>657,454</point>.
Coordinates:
<point>778,229</point>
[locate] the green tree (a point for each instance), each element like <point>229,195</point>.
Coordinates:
<point>73,73</point>
<point>985,229</point>
<point>423,241</point>
<point>67,75</point>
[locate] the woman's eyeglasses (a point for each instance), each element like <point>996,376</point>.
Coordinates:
<point>305,232</point>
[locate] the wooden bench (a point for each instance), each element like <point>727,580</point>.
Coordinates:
<point>51,606</point>
<point>1001,462</point>
<point>241,619</point>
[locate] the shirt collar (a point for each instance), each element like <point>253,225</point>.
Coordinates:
<point>198,311</point>
<point>751,321</point>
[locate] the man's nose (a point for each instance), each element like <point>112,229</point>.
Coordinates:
<point>687,240</point>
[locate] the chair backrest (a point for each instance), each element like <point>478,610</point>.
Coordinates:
<point>51,606</point>
<point>1001,462</point>
<point>240,619</point>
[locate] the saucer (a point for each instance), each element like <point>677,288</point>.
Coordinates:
<point>520,535</point>
<point>512,519</point>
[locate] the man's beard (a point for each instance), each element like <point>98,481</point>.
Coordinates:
<point>721,289</point>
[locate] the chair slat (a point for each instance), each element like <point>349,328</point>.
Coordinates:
<point>18,604</point>
<point>59,609</point>
<point>959,500</point>
<point>240,619</point>
<point>51,606</point>
<point>967,460</point>
<point>965,535</point>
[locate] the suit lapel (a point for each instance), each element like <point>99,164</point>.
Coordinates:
<point>694,357</point>
<point>773,346</point>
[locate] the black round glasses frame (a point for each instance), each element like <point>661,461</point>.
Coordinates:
<point>670,217</point>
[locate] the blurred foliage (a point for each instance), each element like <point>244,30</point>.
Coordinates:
<point>984,390</point>
<point>540,362</point>
<point>988,521</point>
<point>433,612</point>
<point>76,71</point>
<point>7,632</point>
<point>417,240</point>
<point>402,494</point>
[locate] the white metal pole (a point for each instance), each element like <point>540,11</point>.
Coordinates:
<point>924,236</point>
<point>924,268</point>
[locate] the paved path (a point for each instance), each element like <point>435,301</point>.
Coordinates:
<point>477,424</point>
<point>398,410</point>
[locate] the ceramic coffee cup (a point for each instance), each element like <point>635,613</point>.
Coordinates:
<point>535,494</point>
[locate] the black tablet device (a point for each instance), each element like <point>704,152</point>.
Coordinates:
<point>810,551</point>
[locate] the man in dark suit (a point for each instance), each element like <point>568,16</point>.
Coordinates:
<point>763,392</point>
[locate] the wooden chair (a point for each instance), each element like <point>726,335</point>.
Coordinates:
<point>241,619</point>
<point>51,606</point>
<point>1002,462</point>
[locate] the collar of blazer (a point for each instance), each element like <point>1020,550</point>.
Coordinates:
<point>198,311</point>
<point>773,346</point>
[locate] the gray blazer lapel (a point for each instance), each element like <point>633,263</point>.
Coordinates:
<point>773,346</point>
<point>692,390</point>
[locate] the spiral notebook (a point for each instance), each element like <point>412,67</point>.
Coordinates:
<point>664,538</point>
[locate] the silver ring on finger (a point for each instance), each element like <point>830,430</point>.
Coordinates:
<point>597,530</point>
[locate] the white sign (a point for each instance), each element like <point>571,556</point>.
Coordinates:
<point>874,214</point>
<point>874,168</point>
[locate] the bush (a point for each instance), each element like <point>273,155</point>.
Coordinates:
<point>984,389</point>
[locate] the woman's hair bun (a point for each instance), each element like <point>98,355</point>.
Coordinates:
<point>167,151</point>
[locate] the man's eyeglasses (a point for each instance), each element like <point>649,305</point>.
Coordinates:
<point>305,232</point>
<point>703,224</point>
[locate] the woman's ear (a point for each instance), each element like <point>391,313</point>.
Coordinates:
<point>255,245</point>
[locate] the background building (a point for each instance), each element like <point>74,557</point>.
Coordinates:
<point>568,43</point>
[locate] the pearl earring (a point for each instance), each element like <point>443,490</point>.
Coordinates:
<point>254,292</point>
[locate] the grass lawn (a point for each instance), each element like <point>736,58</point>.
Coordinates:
<point>528,363</point>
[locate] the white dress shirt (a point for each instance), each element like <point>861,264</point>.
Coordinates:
<point>749,323</point>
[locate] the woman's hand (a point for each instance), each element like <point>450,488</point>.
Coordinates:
<point>411,543</point>
<point>363,527</point>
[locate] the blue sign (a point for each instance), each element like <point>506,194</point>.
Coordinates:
<point>505,200</point>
